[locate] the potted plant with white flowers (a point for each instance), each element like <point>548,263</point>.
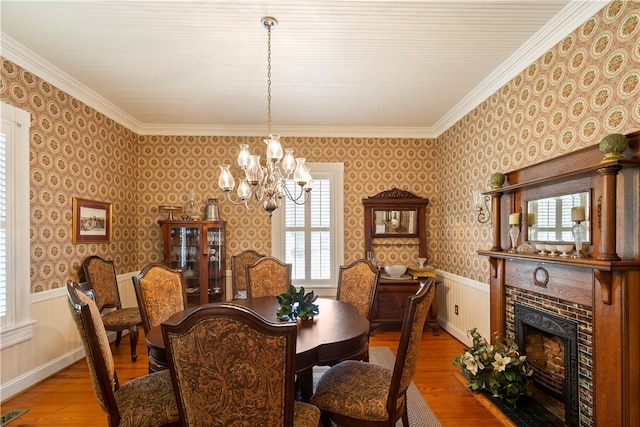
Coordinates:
<point>498,369</point>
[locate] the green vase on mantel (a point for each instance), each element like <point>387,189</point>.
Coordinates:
<point>612,146</point>
<point>496,180</point>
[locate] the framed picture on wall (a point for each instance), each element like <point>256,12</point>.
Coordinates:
<point>91,221</point>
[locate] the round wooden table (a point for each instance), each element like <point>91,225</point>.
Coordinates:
<point>336,333</point>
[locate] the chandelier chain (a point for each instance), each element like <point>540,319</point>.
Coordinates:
<point>269,25</point>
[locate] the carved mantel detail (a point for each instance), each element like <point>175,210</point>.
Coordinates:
<point>605,279</point>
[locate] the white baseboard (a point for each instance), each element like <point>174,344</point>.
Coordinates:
<point>42,372</point>
<point>31,378</point>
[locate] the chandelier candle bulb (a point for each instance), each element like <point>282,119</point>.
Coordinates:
<point>514,219</point>
<point>577,213</point>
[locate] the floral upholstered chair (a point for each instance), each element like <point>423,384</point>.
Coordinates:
<point>357,285</point>
<point>232,367</point>
<point>267,277</point>
<point>360,394</point>
<point>238,263</point>
<point>144,401</point>
<point>100,275</point>
<point>160,293</point>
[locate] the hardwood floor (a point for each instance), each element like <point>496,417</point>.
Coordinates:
<point>67,398</point>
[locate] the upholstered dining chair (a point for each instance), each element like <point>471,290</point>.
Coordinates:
<point>161,293</point>
<point>238,263</point>
<point>357,285</point>
<point>267,277</point>
<point>361,394</point>
<point>144,401</point>
<point>230,366</point>
<point>100,276</point>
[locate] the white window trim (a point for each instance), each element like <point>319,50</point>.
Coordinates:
<point>336,172</point>
<point>19,325</point>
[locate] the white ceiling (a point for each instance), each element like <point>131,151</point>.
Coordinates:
<point>339,68</point>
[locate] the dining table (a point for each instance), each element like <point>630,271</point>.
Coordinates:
<point>337,332</point>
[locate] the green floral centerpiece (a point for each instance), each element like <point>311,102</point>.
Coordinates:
<point>294,304</point>
<point>499,369</point>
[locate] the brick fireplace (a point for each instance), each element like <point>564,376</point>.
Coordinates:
<point>550,342</point>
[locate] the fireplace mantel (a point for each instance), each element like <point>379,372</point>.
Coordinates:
<point>607,280</point>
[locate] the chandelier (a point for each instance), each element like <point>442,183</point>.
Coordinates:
<point>267,184</point>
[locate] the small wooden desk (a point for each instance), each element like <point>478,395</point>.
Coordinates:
<point>336,333</point>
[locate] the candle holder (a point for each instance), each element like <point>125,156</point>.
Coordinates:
<point>514,232</point>
<point>579,233</point>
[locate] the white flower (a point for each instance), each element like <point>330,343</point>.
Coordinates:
<point>501,362</point>
<point>471,363</point>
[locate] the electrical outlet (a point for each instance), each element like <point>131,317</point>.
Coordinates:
<point>456,309</point>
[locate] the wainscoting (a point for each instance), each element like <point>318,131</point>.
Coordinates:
<point>472,300</point>
<point>56,344</point>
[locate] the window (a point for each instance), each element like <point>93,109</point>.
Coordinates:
<point>311,236</point>
<point>15,323</point>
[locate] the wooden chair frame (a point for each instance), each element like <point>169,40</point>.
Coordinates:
<point>254,321</point>
<point>91,282</point>
<point>251,269</point>
<point>412,328</point>
<point>238,263</point>
<point>107,386</point>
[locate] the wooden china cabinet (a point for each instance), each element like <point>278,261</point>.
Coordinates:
<point>198,249</point>
<point>398,216</point>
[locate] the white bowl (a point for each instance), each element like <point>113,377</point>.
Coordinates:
<point>395,270</point>
<point>542,248</point>
<point>564,249</point>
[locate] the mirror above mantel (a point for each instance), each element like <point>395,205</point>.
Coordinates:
<point>550,219</point>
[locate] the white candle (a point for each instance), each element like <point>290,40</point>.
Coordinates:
<point>577,213</point>
<point>514,219</point>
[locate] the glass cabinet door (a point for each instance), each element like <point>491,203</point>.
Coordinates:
<point>185,256</point>
<point>215,266</point>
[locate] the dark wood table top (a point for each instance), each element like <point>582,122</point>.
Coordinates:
<point>337,332</point>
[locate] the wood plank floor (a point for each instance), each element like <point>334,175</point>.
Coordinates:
<point>67,398</point>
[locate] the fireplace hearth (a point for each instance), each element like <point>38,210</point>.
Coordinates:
<point>550,343</point>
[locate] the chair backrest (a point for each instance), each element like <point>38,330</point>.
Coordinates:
<point>267,277</point>
<point>160,292</point>
<point>357,285</point>
<point>230,366</point>
<point>415,316</point>
<point>238,263</point>
<point>102,370</point>
<point>100,275</point>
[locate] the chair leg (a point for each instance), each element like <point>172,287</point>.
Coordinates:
<point>405,414</point>
<point>133,341</point>
<point>118,337</point>
<point>325,421</point>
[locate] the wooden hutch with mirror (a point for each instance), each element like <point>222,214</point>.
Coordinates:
<point>396,219</point>
<point>598,288</point>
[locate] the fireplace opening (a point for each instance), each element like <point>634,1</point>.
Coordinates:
<point>551,346</point>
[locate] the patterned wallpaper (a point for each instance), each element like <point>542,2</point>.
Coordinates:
<point>582,89</point>
<point>579,91</point>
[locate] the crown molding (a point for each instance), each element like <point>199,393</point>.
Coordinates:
<point>568,19</point>
<point>35,64</point>
<point>290,131</point>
